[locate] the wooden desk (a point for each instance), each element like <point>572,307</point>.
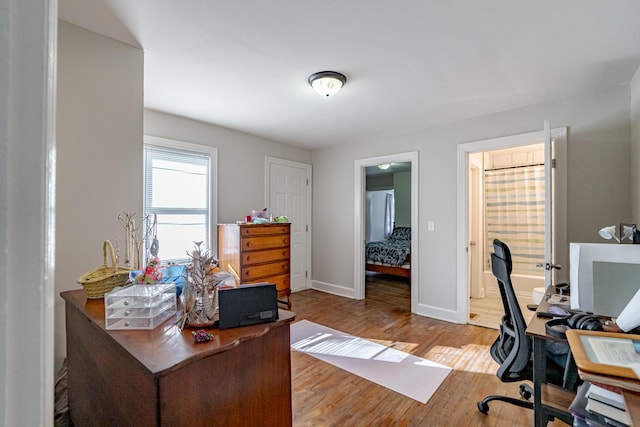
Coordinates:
<point>549,399</point>
<point>613,375</point>
<point>162,377</point>
<point>632,399</point>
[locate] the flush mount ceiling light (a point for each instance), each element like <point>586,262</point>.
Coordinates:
<point>327,83</point>
<point>384,166</point>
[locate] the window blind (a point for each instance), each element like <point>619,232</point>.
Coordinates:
<point>177,190</point>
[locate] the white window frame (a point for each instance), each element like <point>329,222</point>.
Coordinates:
<point>212,153</point>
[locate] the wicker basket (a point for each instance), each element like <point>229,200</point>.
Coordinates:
<point>102,280</point>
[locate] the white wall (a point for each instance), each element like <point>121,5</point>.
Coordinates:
<point>635,148</point>
<point>402,186</point>
<point>599,134</point>
<point>99,152</point>
<point>27,200</point>
<point>241,159</point>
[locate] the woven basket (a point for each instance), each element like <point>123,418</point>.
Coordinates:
<point>102,280</point>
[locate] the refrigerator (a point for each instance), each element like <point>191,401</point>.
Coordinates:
<point>380,215</point>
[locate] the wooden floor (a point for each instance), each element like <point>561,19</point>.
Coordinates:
<point>324,395</point>
<point>488,312</point>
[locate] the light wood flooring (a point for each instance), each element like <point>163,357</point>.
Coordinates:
<point>488,312</point>
<point>324,395</point>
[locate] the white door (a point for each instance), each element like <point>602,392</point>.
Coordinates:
<point>288,194</point>
<point>476,285</point>
<point>555,236</point>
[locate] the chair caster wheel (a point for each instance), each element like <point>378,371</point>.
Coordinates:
<point>524,392</point>
<point>483,407</point>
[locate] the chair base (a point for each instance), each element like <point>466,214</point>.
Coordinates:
<point>525,391</point>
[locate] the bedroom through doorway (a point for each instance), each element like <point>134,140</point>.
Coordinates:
<point>388,226</point>
<point>396,172</point>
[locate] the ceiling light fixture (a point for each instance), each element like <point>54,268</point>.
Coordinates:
<point>327,83</point>
<point>384,166</point>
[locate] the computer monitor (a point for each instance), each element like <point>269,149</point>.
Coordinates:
<point>614,284</point>
<point>581,260</point>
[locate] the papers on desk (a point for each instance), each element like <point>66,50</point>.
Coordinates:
<point>561,300</point>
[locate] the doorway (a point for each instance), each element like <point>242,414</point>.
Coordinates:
<point>387,213</point>
<point>474,274</point>
<point>360,166</point>
<point>506,202</point>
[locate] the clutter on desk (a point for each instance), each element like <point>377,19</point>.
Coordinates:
<point>258,214</point>
<point>260,217</point>
<point>102,280</point>
<point>202,336</point>
<point>140,307</point>
<point>155,273</point>
<point>200,294</point>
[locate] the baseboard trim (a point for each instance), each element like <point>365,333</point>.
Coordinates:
<point>331,288</point>
<point>438,313</point>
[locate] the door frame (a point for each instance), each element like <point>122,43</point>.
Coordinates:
<point>476,289</point>
<point>463,209</point>
<point>359,220</point>
<point>268,162</point>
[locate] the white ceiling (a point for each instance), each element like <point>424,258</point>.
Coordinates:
<point>410,64</point>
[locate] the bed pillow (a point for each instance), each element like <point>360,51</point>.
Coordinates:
<point>401,233</point>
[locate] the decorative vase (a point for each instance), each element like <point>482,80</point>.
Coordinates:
<point>200,294</point>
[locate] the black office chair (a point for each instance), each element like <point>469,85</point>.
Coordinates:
<point>512,349</point>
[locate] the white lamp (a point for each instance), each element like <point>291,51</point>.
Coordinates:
<point>327,83</point>
<point>627,232</point>
<point>608,233</point>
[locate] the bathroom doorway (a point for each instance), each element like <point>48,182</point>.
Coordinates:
<point>505,199</point>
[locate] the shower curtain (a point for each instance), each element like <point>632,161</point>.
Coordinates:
<point>514,206</point>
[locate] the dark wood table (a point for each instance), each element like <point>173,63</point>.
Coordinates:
<point>162,377</point>
<point>549,399</point>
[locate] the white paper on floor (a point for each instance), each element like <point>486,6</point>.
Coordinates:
<point>396,370</point>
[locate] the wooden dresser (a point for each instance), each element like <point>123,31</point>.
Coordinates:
<point>257,253</point>
<point>161,377</point>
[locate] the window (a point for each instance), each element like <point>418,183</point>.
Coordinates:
<point>180,181</point>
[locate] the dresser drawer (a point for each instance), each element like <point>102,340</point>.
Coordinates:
<point>264,270</point>
<point>281,282</point>
<point>266,242</point>
<point>269,255</point>
<point>264,230</point>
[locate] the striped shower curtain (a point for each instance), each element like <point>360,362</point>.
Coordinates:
<point>514,213</point>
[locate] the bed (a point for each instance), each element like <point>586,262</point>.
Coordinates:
<point>391,256</point>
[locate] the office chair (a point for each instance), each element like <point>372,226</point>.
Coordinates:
<point>512,349</point>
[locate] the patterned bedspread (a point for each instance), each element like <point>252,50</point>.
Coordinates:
<point>393,251</point>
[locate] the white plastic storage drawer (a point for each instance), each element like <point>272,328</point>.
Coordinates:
<point>140,306</point>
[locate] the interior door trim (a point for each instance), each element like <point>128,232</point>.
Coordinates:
<point>462,302</point>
